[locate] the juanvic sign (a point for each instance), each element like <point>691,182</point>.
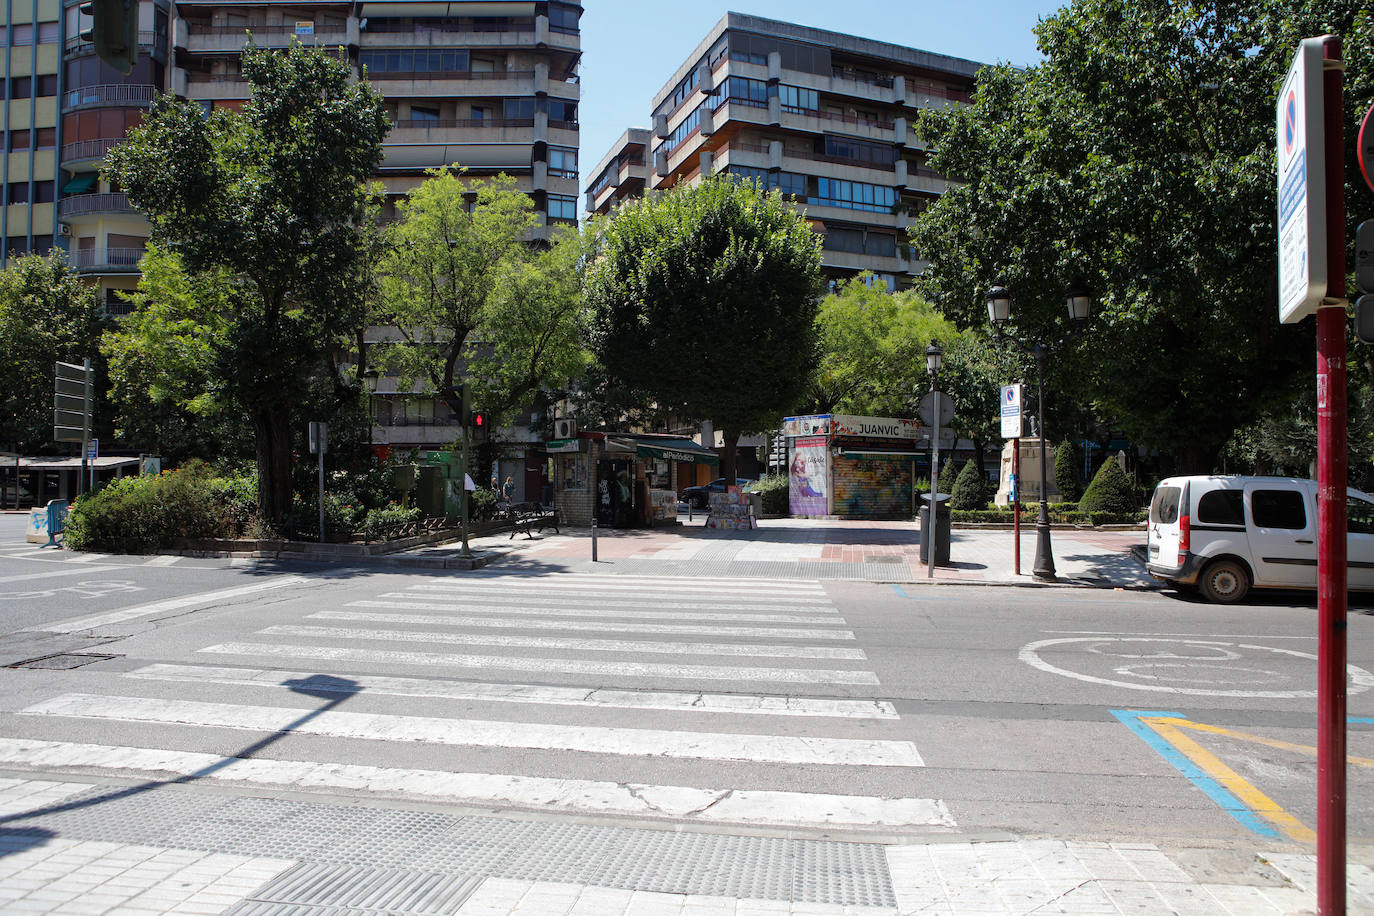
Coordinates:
<point>874,427</point>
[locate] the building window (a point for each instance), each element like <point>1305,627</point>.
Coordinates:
<point>421,113</point>
<point>745,91</point>
<point>861,241</point>
<point>47,84</point>
<point>21,35</point>
<point>798,100</point>
<point>21,87</point>
<point>855,195</point>
<point>19,139</point>
<point>44,192</point>
<point>390,63</point>
<point>560,110</point>
<point>16,245</point>
<point>792,184</point>
<point>45,137</point>
<point>47,34</point>
<point>563,18</point>
<point>518,109</point>
<point>562,207</point>
<point>17,193</point>
<point>683,130</point>
<point>562,162</point>
<point>861,151</point>
<point>42,244</point>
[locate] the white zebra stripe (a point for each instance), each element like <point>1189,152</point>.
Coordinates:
<point>602,697</point>
<point>458,620</point>
<point>164,560</point>
<point>598,669</point>
<point>670,583</point>
<point>720,806</point>
<point>587,739</point>
<point>560,609</point>
<point>650,595</point>
<point>574,644</point>
<point>185,602</point>
<point>426,593</point>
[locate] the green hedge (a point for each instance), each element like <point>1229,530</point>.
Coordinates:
<point>775,494</point>
<point>137,514</point>
<point>1060,513</point>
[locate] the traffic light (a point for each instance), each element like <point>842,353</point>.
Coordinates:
<point>114,31</point>
<point>480,420</point>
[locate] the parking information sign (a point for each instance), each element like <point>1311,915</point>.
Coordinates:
<point>1301,185</point>
<point>1011,411</point>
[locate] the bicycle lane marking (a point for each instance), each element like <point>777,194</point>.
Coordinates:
<point>184,602</point>
<point>80,571</point>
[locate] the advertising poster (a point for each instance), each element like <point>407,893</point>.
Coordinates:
<point>808,476</point>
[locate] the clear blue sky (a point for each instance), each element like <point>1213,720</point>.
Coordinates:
<point>630,49</point>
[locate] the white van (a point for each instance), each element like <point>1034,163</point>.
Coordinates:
<point>1225,535</point>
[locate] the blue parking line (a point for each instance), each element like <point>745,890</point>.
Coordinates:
<point>1360,720</point>
<point>1215,791</point>
<point>901,593</point>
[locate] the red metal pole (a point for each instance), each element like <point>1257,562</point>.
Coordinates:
<point>1016,506</point>
<point>1331,519</point>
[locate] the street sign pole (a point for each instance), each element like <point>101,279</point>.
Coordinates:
<point>86,431</point>
<point>1016,505</point>
<point>1331,511</point>
<point>934,512</point>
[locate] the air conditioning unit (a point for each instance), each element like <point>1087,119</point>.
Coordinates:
<point>64,229</point>
<point>565,429</point>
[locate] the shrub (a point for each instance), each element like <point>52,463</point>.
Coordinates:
<point>378,523</point>
<point>136,514</point>
<point>1111,491</point>
<point>775,494</point>
<point>970,490</point>
<point>1066,471</point>
<point>482,504</point>
<point>948,477</point>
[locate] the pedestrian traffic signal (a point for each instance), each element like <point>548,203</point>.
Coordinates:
<point>480,420</point>
<point>114,31</point>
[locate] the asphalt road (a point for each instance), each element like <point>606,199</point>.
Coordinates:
<point>952,709</point>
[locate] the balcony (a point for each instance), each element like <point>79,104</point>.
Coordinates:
<point>488,130</point>
<point>413,37</point>
<point>106,260</point>
<point>114,94</point>
<point>84,152</point>
<point>233,38</point>
<point>89,204</point>
<point>150,43</point>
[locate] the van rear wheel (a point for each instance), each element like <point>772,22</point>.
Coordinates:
<point>1224,582</point>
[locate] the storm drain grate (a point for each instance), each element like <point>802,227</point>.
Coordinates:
<point>344,889</point>
<point>63,661</point>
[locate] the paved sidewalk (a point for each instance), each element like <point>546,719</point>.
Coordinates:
<point>816,549</point>
<point>72,847</point>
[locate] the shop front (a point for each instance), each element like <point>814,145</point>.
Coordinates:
<point>854,467</point>
<point>621,479</point>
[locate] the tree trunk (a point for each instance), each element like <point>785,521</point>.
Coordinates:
<point>727,461</point>
<point>272,439</point>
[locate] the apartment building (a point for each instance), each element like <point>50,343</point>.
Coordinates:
<point>492,86</point>
<point>824,117</point>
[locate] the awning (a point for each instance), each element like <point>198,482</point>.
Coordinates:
<point>676,450</point>
<point>79,184</point>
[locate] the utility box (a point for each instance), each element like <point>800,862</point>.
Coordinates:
<point>936,532</point>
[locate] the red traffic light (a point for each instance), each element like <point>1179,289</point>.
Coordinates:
<point>479,419</point>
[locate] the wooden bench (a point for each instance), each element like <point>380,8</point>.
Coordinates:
<point>528,517</point>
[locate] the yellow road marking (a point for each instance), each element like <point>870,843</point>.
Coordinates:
<point>1260,739</point>
<point>1257,801</point>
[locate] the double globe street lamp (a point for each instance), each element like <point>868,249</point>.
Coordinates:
<point>999,314</point>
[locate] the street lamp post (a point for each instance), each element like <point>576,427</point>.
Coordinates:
<point>1079,304</point>
<point>934,356</point>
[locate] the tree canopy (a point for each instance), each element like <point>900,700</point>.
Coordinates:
<point>47,314</point>
<point>704,298</point>
<point>1137,159</point>
<point>274,195</point>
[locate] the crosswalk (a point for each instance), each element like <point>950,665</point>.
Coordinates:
<point>569,693</point>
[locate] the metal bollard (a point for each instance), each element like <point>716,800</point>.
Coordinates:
<point>593,540</point>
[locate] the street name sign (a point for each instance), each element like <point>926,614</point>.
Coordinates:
<point>1300,124</point>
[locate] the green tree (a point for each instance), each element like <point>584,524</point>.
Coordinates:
<point>166,395</point>
<point>949,477</point>
<point>275,196</point>
<point>705,299</point>
<point>1138,158</point>
<point>1066,471</point>
<point>872,349</point>
<point>47,314</point>
<point>970,489</point>
<point>974,371</point>
<point>1110,491</point>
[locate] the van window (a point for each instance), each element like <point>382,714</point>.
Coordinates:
<point>1359,516</point>
<point>1222,507</point>
<point>1164,507</point>
<point>1278,509</point>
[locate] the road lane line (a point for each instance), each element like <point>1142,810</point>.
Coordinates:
<point>454,620</point>
<point>748,674</point>
<point>560,610</point>
<point>558,642</point>
<point>689,803</point>
<point>602,697</point>
<point>164,560</point>
<point>182,603</point>
<point>588,739</point>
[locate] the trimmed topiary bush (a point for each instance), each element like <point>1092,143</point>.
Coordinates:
<point>970,490</point>
<point>1110,492</point>
<point>948,477</point>
<point>1066,472</point>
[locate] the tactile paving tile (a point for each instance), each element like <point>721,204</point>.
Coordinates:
<point>774,868</point>
<point>360,890</point>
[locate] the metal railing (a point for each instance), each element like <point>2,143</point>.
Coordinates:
<point>112,94</point>
<point>840,160</point>
<point>89,149</point>
<point>105,202</point>
<point>562,125</point>
<point>943,92</point>
<point>146,42</point>
<point>104,258</point>
<point>495,75</point>
<point>856,76</point>
<point>466,123</point>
